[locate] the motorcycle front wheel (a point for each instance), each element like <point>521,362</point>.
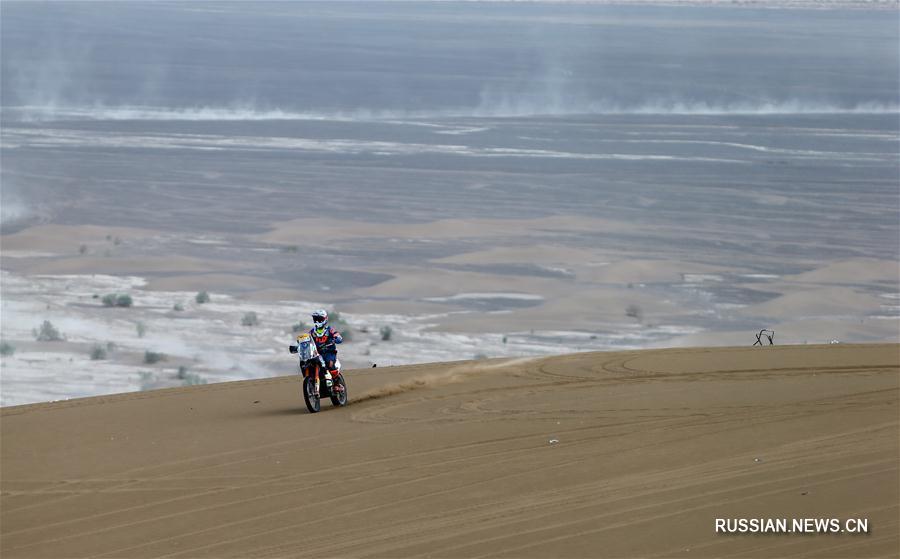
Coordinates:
<point>310,396</point>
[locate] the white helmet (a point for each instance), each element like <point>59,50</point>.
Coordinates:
<point>320,319</point>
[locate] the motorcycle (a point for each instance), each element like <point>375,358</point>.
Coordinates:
<point>317,380</point>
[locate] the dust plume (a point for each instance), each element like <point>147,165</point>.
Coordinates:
<point>450,376</point>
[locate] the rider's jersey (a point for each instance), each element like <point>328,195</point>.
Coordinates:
<point>326,342</point>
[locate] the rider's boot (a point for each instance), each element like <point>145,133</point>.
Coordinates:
<point>338,386</point>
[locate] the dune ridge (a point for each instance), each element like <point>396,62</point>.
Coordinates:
<point>618,454</point>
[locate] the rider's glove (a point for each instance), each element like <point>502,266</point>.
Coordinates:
<point>292,349</point>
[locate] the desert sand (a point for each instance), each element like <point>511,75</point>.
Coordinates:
<point>619,454</point>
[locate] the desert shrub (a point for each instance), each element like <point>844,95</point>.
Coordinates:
<point>505,339</point>
<point>97,353</point>
<point>47,333</point>
<point>386,333</point>
<point>151,357</point>
<point>339,324</point>
<point>188,378</point>
<point>635,312</point>
<point>192,379</point>
<point>479,356</point>
<point>202,297</point>
<point>82,249</point>
<point>148,380</point>
<point>115,300</point>
<point>111,347</point>
<point>250,319</point>
<point>141,329</point>
<point>299,327</point>
<point>178,307</point>
<point>7,348</point>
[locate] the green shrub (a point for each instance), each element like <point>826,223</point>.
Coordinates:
<point>47,333</point>
<point>635,312</point>
<point>114,300</point>
<point>339,324</point>
<point>188,378</point>
<point>149,381</point>
<point>386,333</point>
<point>151,357</point>
<point>98,353</point>
<point>178,307</point>
<point>7,348</point>
<point>250,319</point>
<point>300,327</point>
<point>202,297</point>
<point>192,379</point>
<point>141,329</point>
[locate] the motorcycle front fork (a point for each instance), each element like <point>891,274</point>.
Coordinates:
<point>329,381</point>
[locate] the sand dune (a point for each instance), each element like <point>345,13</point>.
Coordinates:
<point>590,455</point>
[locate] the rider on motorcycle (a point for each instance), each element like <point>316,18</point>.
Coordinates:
<point>326,339</point>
